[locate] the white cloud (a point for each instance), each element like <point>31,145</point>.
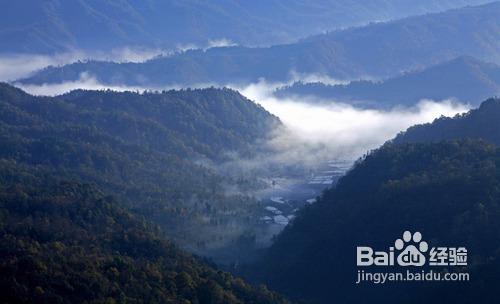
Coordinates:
<point>223,42</point>
<point>327,129</point>
<point>295,76</point>
<point>85,81</point>
<point>21,65</point>
<point>215,43</point>
<point>16,66</point>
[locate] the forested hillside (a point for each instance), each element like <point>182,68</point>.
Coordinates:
<point>247,152</point>
<point>483,123</point>
<point>378,50</point>
<point>66,242</point>
<point>448,191</point>
<point>146,149</point>
<point>466,79</point>
<point>50,26</point>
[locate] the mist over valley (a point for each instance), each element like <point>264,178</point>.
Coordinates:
<point>242,152</point>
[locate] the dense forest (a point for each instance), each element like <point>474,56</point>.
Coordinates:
<point>483,123</point>
<point>153,151</point>
<point>67,242</point>
<point>449,191</point>
<point>136,192</point>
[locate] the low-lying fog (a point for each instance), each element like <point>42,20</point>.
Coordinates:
<point>17,66</point>
<point>329,129</point>
<point>315,131</point>
<point>318,141</point>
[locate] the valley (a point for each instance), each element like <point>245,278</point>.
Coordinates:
<point>249,152</point>
<point>286,195</point>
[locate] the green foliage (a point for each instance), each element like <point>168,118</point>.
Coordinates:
<point>146,149</point>
<point>69,243</point>
<point>478,123</point>
<point>449,191</point>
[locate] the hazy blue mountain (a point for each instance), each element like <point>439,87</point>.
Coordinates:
<point>53,26</point>
<point>465,78</point>
<point>483,123</point>
<point>379,50</point>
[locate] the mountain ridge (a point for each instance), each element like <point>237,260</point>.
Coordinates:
<point>53,26</point>
<point>378,50</point>
<point>148,150</point>
<point>464,78</point>
<point>480,123</point>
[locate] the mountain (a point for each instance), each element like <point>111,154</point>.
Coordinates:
<point>447,191</point>
<point>377,50</point>
<point>464,78</point>
<point>156,152</point>
<point>53,26</point>
<point>482,123</point>
<point>65,242</point>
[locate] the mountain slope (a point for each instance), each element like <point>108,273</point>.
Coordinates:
<point>146,149</point>
<point>376,50</point>
<point>448,191</point>
<point>483,123</point>
<point>53,26</point>
<point>465,78</point>
<point>69,243</point>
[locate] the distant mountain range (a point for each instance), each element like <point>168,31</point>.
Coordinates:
<point>465,78</point>
<point>31,26</point>
<point>377,50</point>
<point>446,190</point>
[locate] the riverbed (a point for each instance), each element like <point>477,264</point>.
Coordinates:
<point>285,196</point>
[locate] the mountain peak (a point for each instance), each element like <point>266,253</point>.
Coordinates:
<point>482,123</point>
<point>8,91</point>
<point>490,104</point>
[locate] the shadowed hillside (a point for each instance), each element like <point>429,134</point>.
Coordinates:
<point>147,149</point>
<point>483,123</point>
<point>70,243</point>
<point>448,191</point>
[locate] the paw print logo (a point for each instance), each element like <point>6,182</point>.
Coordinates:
<point>411,255</point>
